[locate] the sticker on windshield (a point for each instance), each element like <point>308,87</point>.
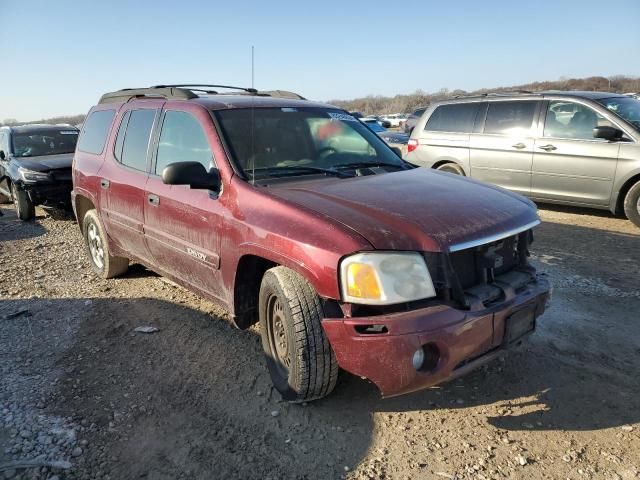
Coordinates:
<point>342,116</point>
<point>68,132</point>
<point>289,109</point>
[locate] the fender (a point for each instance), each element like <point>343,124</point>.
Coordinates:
<point>618,186</point>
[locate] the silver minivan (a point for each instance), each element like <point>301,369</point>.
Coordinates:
<point>574,148</point>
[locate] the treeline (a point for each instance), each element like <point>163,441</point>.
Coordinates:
<point>405,103</point>
<point>378,105</point>
<point>70,119</point>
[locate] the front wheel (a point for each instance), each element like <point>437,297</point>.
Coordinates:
<point>632,204</point>
<point>301,362</point>
<point>23,204</point>
<point>451,168</point>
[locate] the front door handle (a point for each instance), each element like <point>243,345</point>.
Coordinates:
<point>519,146</point>
<point>104,183</point>
<point>548,148</point>
<point>153,199</point>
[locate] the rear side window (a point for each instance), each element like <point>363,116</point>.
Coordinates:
<point>182,140</point>
<point>95,130</point>
<point>508,118</point>
<point>136,139</point>
<point>458,118</point>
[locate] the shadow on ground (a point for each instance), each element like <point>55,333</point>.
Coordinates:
<point>11,228</point>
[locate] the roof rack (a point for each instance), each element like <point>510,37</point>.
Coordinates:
<point>496,94</point>
<point>188,91</point>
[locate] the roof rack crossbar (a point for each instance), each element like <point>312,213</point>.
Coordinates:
<point>200,85</point>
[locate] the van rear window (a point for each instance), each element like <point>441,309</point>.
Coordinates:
<point>457,117</point>
<point>95,130</point>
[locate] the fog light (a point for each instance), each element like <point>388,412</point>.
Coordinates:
<point>426,358</point>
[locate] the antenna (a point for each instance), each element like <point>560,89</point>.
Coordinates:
<point>252,66</point>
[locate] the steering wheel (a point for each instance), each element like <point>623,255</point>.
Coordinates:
<point>326,151</point>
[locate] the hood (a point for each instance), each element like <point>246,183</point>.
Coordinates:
<point>419,209</point>
<point>45,163</point>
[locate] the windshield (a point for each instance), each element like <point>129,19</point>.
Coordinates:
<point>270,141</point>
<point>626,107</point>
<point>44,142</point>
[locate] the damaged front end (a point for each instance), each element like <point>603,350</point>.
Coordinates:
<point>487,298</point>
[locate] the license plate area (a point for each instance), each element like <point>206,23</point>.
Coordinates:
<point>518,324</point>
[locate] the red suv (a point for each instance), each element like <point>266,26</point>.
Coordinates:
<point>295,214</point>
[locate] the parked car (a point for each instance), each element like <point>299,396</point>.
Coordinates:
<point>379,120</point>
<point>412,119</point>
<point>35,166</point>
<point>295,215</point>
<point>390,137</point>
<point>394,119</point>
<point>574,148</point>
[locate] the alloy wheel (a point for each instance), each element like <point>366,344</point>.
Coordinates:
<point>95,245</point>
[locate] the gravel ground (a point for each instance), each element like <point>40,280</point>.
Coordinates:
<point>84,396</point>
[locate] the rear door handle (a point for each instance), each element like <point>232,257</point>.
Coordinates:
<point>548,148</point>
<point>153,199</point>
<point>104,183</point>
<point>519,146</point>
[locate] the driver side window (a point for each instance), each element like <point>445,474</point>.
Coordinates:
<point>572,120</point>
<point>182,139</point>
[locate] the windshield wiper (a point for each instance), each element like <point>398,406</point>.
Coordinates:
<point>296,169</point>
<point>370,164</point>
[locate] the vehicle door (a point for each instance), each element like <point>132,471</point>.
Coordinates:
<point>501,151</point>
<point>124,176</point>
<point>569,164</point>
<point>182,226</point>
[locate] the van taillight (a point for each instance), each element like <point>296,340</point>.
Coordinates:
<point>412,145</point>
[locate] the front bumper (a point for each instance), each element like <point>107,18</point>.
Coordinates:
<point>49,194</point>
<point>465,340</point>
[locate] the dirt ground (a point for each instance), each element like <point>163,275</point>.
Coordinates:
<point>194,400</point>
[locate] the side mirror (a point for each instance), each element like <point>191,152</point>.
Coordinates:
<point>2,155</point>
<point>192,174</point>
<point>608,133</point>
<point>397,151</point>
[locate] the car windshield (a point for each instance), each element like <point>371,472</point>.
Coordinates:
<point>269,142</point>
<point>626,107</point>
<point>44,142</point>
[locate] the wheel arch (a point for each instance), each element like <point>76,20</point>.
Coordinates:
<point>81,206</point>
<point>444,161</point>
<point>618,204</point>
<point>249,270</point>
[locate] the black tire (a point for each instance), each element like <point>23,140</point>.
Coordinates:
<point>103,263</point>
<point>305,368</point>
<point>451,168</point>
<point>23,204</point>
<point>632,204</point>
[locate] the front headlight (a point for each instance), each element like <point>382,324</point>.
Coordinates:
<point>31,175</point>
<point>385,278</point>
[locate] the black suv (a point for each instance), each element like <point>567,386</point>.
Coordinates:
<point>35,166</point>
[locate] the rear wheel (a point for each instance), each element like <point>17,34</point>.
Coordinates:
<point>451,168</point>
<point>632,204</point>
<point>301,362</point>
<point>23,204</point>
<point>103,263</point>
